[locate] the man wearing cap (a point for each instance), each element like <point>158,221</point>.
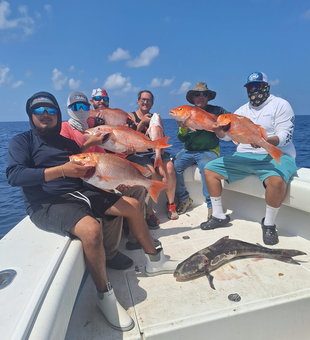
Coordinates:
<point>200,147</point>
<point>78,110</point>
<point>276,116</point>
<point>57,200</point>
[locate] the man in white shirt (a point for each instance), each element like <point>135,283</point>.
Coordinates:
<point>276,116</point>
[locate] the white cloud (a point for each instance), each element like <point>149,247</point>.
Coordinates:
<point>71,68</point>
<point>4,76</point>
<point>306,15</point>
<point>145,58</point>
<point>74,84</point>
<point>58,80</point>
<point>118,55</point>
<point>24,22</point>
<point>274,82</point>
<point>94,81</point>
<point>156,82</point>
<point>28,73</point>
<point>48,9</point>
<point>184,88</point>
<point>17,84</point>
<point>120,84</point>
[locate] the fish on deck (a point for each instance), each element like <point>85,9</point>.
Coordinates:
<point>194,117</point>
<point>111,116</point>
<point>110,171</point>
<point>155,132</point>
<point>225,250</point>
<point>118,138</point>
<point>242,130</point>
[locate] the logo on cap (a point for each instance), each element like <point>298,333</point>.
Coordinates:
<point>79,97</point>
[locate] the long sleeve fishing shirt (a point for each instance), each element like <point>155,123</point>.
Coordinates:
<point>201,140</point>
<point>276,116</point>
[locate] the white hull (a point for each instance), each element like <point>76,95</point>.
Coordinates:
<point>275,296</point>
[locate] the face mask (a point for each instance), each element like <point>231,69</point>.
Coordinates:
<point>258,96</point>
<point>78,119</point>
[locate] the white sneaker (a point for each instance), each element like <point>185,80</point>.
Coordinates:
<point>159,264</point>
<point>115,314</point>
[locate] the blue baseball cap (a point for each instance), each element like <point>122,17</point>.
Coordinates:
<point>258,77</point>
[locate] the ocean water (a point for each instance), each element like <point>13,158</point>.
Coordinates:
<point>12,208</point>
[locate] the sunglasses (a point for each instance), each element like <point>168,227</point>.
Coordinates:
<point>254,86</point>
<point>79,106</point>
<point>42,109</point>
<point>198,94</point>
<point>98,98</point>
<point>146,100</point>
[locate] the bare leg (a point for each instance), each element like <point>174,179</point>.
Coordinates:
<point>213,182</point>
<point>168,175</point>
<point>89,231</point>
<point>131,209</point>
<point>276,189</point>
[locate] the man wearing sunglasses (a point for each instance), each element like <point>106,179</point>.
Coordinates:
<point>57,200</point>
<point>200,147</point>
<point>276,116</point>
<point>78,110</point>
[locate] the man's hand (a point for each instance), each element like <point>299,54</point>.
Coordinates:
<point>95,139</point>
<point>130,150</point>
<point>75,169</point>
<point>181,124</point>
<point>122,187</point>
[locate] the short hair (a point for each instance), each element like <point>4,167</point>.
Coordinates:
<point>140,93</point>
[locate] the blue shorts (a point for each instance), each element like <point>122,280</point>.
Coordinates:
<point>237,165</point>
<point>147,158</point>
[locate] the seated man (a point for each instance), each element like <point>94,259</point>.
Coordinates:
<point>142,118</point>
<point>276,116</point>
<point>200,147</point>
<point>57,200</point>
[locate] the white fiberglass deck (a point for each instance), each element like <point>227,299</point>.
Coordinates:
<point>275,296</point>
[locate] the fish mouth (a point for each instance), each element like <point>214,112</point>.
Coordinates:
<point>226,127</point>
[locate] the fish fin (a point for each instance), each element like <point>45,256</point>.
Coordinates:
<point>106,178</point>
<point>275,153</point>
<point>143,170</point>
<point>158,160</point>
<point>210,277</point>
<point>155,188</point>
<point>263,132</point>
<point>285,259</point>
<point>161,143</point>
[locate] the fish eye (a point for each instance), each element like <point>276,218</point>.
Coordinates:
<point>84,157</point>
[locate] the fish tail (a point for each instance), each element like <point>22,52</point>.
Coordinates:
<point>275,153</point>
<point>155,188</point>
<point>161,143</point>
<point>158,160</point>
<point>286,259</point>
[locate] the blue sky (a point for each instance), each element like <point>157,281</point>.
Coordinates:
<point>163,46</point>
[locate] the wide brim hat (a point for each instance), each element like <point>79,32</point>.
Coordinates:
<point>200,87</point>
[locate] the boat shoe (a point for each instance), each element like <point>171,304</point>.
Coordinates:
<point>159,264</point>
<point>115,314</point>
<point>182,206</point>
<point>270,236</point>
<point>214,222</point>
<point>137,245</point>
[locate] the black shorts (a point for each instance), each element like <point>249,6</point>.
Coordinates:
<point>145,159</point>
<point>62,213</point>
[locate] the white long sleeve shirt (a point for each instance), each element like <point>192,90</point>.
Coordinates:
<point>276,116</point>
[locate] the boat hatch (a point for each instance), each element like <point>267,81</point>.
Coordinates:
<point>6,277</point>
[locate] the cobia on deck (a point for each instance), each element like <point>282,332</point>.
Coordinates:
<point>275,296</point>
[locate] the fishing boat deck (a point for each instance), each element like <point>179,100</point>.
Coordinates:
<point>275,296</point>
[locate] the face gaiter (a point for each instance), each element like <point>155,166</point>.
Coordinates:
<point>259,95</point>
<point>78,119</point>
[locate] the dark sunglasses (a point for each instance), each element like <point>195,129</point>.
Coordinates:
<point>198,94</point>
<point>98,98</point>
<point>254,86</point>
<point>42,109</point>
<point>79,106</point>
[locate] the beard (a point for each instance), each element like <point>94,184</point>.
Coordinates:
<point>47,132</point>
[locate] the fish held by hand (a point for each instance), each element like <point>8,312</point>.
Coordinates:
<point>242,130</point>
<point>155,132</point>
<point>110,171</point>
<point>194,117</point>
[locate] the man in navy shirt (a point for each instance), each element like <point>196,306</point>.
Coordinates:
<point>57,200</point>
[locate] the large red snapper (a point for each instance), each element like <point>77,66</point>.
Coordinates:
<point>120,137</point>
<point>111,116</point>
<point>110,171</point>
<point>155,132</point>
<point>194,117</point>
<point>242,130</point>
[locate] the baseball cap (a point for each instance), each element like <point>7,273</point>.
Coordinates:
<point>42,100</point>
<point>99,92</point>
<point>259,77</point>
<point>77,97</point>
